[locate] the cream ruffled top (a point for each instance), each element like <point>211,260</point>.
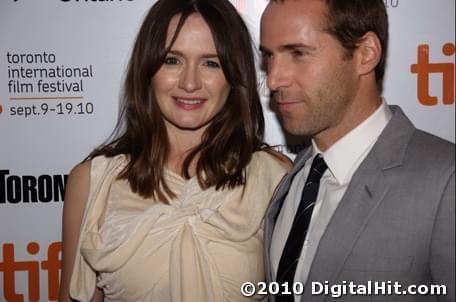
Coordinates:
<point>200,247</point>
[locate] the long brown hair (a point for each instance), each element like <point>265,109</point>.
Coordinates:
<point>234,134</point>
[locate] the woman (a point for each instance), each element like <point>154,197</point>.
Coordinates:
<point>171,210</point>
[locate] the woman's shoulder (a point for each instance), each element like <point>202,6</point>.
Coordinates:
<point>81,170</point>
<point>102,164</point>
<point>106,161</point>
<point>91,171</point>
<point>78,180</point>
<point>271,159</point>
<point>268,167</point>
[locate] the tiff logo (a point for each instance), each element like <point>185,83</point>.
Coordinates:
<point>9,266</point>
<point>423,68</point>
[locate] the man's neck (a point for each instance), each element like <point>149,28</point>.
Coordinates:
<point>354,116</point>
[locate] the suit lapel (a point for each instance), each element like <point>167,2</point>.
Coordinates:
<point>365,192</point>
<point>361,199</point>
<point>276,206</point>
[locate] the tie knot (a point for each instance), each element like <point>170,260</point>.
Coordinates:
<point>317,169</point>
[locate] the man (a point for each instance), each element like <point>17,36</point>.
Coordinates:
<point>373,198</point>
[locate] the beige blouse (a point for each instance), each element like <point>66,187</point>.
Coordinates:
<point>200,247</point>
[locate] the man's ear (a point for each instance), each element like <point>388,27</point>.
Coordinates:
<point>368,53</point>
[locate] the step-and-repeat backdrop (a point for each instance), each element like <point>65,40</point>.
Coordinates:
<point>61,68</point>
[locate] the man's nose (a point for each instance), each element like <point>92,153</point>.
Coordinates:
<point>278,74</point>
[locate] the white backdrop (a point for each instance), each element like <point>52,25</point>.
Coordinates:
<point>61,66</point>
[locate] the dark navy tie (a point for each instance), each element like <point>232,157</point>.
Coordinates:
<point>293,246</point>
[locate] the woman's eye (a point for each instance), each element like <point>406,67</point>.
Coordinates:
<point>171,61</point>
<point>213,64</point>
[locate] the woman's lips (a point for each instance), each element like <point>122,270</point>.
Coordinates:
<point>189,103</point>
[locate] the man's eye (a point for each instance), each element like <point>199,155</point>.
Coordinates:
<point>212,64</point>
<point>171,61</point>
<point>265,58</point>
<point>297,53</point>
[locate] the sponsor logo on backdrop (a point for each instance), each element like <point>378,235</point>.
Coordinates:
<point>106,1</point>
<point>241,5</point>
<point>424,68</point>
<point>97,0</point>
<point>93,0</point>
<point>17,189</point>
<point>391,3</point>
<point>39,85</point>
<point>9,266</point>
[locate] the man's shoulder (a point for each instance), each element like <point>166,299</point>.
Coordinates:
<point>418,146</point>
<point>427,144</point>
<point>428,152</point>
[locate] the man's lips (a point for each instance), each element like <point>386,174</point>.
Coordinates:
<point>287,102</point>
<point>283,104</point>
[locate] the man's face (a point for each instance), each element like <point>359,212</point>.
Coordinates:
<point>308,71</point>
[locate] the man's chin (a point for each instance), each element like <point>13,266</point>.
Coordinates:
<point>296,128</point>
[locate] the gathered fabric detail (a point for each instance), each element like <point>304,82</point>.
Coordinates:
<point>200,247</point>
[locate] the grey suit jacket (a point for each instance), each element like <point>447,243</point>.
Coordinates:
<point>396,221</point>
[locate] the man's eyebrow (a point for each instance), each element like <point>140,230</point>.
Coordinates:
<point>288,47</point>
<point>295,46</point>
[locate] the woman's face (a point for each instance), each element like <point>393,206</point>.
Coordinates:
<point>190,86</point>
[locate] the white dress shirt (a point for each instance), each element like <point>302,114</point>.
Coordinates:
<point>342,158</point>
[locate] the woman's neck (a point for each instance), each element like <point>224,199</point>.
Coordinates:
<point>181,143</point>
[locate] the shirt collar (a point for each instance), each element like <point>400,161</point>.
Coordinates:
<point>345,154</point>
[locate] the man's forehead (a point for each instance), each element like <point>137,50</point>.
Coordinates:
<point>282,26</point>
<point>294,13</point>
<point>297,3</point>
